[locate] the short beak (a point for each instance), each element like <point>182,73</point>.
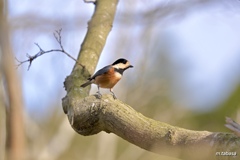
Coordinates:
<point>130,66</point>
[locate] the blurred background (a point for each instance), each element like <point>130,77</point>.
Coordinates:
<point>186,58</point>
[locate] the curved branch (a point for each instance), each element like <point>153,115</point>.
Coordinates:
<point>91,115</point>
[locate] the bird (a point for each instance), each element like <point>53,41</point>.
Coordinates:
<point>108,76</point>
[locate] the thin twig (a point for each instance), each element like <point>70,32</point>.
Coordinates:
<point>58,37</point>
<point>233,126</point>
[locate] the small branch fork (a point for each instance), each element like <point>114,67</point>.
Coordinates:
<point>41,52</point>
<point>233,126</point>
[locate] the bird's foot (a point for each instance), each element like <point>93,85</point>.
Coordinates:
<point>99,95</point>
<point>114,96</point>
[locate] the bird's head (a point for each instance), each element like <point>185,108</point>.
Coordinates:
<point>122,64</point>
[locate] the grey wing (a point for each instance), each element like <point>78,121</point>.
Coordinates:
<point>101,71</point>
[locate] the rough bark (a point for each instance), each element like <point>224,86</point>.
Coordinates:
<point>90,116</point>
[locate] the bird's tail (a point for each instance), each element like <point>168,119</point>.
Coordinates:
<point>86,84</point>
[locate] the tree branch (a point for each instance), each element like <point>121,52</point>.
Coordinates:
<point>98,29</point>
<point>233,126</point>
<point>91,115</point>
<point>41,52</point>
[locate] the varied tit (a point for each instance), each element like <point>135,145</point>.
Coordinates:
<point>108,76</point>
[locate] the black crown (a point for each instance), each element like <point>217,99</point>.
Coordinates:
<point>121,60</point>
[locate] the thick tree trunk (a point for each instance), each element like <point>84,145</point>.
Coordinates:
<point>16,136</point>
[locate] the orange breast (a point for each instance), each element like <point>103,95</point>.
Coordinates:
<point>108,80</point>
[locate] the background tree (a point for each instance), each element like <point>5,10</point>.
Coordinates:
<point>162,100</point>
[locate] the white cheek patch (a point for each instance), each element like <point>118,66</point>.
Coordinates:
<point>121,65</point>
